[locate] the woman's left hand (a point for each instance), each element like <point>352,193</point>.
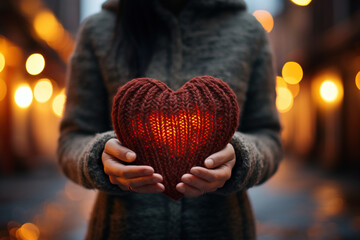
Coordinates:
<point>201,180</point>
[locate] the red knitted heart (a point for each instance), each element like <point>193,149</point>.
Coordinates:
<point>174,131</point>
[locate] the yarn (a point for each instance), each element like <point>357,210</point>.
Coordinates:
<point>172,131</point>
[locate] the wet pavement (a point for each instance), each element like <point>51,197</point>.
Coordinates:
<point>299,202</point>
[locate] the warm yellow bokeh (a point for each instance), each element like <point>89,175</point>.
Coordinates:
<point>28,231</point>
<point>47,26</point>
<point>329,91</point>
<point>58,104</point>
<point>43,90</point>
<point>284,99</point>
<point>280,82</point>
<point>265,18</point>
<point>23,96</point>
<point>292,72</point>
<point>35,64</point>
<point>357,80</point>
<point>2,61</point>
<point>302,2</point>
<point>294,89</point>
<point>29,7</point>
<point>3,89</point>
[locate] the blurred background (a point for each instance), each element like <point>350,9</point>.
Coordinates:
<point>316,191</point>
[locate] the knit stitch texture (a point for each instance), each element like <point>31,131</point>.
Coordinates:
<point>174,131</point>
<point>208,37</point>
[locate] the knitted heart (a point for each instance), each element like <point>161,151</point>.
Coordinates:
<point>173,131</point>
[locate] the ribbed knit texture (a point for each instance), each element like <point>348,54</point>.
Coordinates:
<point>173,131</point>
<point>209,37</point>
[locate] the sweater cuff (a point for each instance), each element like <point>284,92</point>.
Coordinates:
<point>241,168</point>
<point>95,168</point>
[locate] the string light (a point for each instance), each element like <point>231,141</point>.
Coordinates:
<point>35,64</point>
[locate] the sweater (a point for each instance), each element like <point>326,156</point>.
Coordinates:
<point>208,37</point>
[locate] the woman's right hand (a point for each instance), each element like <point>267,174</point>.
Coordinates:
<point>141,179</point>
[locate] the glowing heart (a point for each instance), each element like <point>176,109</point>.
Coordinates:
<point>173,131</point>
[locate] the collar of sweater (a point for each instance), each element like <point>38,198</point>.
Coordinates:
<point>176,44</point>
<point>215,4</point>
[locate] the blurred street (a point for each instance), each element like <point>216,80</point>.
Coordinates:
<point>315,194</point>
<point>299,202</point>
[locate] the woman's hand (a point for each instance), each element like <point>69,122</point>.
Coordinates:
<point>201,180</point>
<point>141,179</point>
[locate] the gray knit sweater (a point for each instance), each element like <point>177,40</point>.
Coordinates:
<point>208,37</point>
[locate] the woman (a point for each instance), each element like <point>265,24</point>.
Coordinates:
<point>171,41</point>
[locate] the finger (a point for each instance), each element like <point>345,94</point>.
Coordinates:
<point>114,180</point>
<point>152,188</point>
<point>142,181</point>
<point>121,184</point>
<point>188,190</point>
<point>114,168</point>
<point>114,148</point>
<point>221,157</point>
<point>223,173</point>
<point>199,183</point>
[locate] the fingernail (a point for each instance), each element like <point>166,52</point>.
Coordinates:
<point>162,188</point>
<point>160,178</point>
<point>209,162</point>
<point>180,188</point>
<point>130,156</point>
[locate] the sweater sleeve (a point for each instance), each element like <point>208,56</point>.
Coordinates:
<point>257,141</point>
<point>86,124</point>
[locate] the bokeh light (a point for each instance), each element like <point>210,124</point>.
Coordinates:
<point>294,89</point>
<point>329,91</point>
<point>23,96</point>
<point>292,72</point>
<point>284,99</point>
<point>35,64</point>
<point>47,26</point>
<point>58,104</point>
<point>302,2</point>
<point>43,90</point>
<point>280,82</point>
<point>265,18</point>
<point>3,89</point>
<point>2,62</point>
<point>29,7</point>
<point>28,231</point>
<point>357,80</point>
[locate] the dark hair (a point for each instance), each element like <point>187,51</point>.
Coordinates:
<point>136,29</point>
